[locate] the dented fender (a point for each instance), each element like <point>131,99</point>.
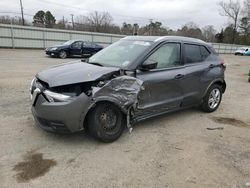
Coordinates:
<point>122,91</point>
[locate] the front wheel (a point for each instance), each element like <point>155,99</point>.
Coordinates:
<point>212,99</point>
<point>105,122</point>
<point>62,54</point>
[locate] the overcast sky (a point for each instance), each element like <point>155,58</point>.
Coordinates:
<point>172,13</point>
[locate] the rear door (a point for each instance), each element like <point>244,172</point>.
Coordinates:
<point>88,49</point>
<point>198,61</point>
<point>162,86</point>
<point>76,48</point>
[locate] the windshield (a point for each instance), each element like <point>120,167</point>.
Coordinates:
<point>68,42</point>
<point>120,54</point>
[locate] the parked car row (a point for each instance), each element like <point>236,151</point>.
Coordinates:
<point>74,48</point>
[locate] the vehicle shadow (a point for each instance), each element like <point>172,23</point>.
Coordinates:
<point>155,121</point>
<point>82,137</point>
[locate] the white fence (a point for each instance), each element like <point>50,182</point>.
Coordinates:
<point>12,36</point>
<point>35,37</point>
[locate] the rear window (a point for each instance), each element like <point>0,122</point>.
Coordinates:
<point>204,53</point>
<point>195,53</point>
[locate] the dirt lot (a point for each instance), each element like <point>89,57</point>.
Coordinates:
<point>174,150</point>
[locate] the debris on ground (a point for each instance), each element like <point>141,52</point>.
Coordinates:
<point>215,128</point>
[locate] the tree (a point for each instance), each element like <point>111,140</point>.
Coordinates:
<point>100,21</point>
<point>154,28</point>
<point>38,19</point>
<point>44,19</point>
<point>127,29</point>
<point>246,8</point>
<point>230,35</point>
<point>190,29</point>
<point>245,25</point>
<point>12,20</point>
<point>49,20</point>
<point>231,10</point>
<point>209,33</point>
<point>219,36</point>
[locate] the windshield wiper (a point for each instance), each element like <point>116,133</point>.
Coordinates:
<point>96,63</point>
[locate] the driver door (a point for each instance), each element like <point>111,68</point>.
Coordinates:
<point>162,86</point>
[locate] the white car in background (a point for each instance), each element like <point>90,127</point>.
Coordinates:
<point>241,51</point>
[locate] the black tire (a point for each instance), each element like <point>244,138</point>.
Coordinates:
<point>105,122</point>
<point>63,54</point>
<point>207,104</point>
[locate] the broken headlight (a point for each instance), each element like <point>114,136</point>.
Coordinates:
<point>56,97</point>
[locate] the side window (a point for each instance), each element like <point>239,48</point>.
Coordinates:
<point>88,45</point>
<point>204,53</point>
<point>195,53</point>
<point>77,45</point>
<point>192,53</point>
<point>167,55</point>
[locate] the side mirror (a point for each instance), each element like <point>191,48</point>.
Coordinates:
<point>148,65</point>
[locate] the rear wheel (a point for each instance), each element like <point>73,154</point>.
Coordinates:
<point>105,122</point>
<point>212,99</point>
<point>62,54</point>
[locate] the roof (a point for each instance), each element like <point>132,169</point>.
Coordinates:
<point>164,38</point>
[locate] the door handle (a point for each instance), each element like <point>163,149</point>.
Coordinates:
<point>211,66</point>
<point>179,76</point>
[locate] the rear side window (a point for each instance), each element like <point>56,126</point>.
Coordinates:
<point>77,45</point>
<point>195,53</point>
<point>204,53</point>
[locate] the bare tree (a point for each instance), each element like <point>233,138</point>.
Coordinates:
<point>100,21</point>
<point>12,20</point>
<point>82,23</point>
<point>209,33</point>
<point>190,29</point>
<point>231,10</point>
<point>246,8</point>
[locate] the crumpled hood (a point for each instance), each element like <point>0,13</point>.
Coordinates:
<point>72,73</point>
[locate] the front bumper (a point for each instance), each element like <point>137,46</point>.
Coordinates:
<point>52,53</point>
<point>61,116</point>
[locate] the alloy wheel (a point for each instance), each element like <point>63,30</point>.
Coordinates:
<point>214,98</point>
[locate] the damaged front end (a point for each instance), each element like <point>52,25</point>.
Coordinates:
<point>71,103</point>
<point>123,91</point>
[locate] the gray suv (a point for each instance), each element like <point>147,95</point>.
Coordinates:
<point>131,80</point>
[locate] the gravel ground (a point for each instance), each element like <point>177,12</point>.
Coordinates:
<point>174,150</point>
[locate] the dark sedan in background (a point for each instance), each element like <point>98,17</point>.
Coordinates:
<point>74,48</point>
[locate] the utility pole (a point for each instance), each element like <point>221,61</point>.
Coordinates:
<point>72,19</point>
<point>63,23</point>
<point>21,5</point>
